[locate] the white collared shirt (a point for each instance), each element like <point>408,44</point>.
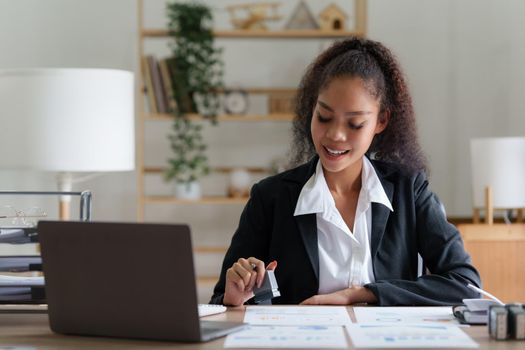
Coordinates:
<point>344,258</point>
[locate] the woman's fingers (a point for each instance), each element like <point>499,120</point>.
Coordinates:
<point>243,273</point>
<point>258,266</point>
<point>272,265</point>
<point>234,277</point>
<point>253,280</point>
<point>250,271</point>
<point>247,264</point>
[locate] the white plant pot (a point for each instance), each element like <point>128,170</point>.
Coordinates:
<point>188,190</point>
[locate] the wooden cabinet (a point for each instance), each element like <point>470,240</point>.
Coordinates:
<point>497,251</point>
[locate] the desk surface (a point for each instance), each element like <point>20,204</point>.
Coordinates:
<point>32,330</point>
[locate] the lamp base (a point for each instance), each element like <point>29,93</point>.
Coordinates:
<point>64,210</point>
<point>65,184</point>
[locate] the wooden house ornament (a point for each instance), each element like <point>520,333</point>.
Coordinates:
<point>332,18</point>
<point>302,18</point>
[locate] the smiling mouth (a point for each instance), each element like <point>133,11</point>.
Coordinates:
<point>334,152</point>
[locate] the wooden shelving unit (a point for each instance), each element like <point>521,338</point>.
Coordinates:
<point>144,199</point>
<point>145,33</point>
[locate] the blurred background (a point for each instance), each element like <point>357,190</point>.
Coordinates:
<point>463,61</point>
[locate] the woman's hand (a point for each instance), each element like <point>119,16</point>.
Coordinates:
<point>352,295</point>
<point>242,277</point>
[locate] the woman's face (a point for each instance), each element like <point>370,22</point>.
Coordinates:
<point>344,123</point>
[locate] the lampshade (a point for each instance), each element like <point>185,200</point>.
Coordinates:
<point>499,163</point>
<point>67,120</point>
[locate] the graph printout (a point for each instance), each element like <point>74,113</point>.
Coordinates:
<point>272,337</point>
<point>408,336</point>
<point>406,314</point>
<point>297,315</point>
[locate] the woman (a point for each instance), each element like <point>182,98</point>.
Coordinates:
<point>347,226</point>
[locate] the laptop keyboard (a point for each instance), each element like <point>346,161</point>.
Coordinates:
<point>210,309</point>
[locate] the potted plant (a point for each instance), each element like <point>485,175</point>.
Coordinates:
<point>189,161</point>
<point>196,70</point>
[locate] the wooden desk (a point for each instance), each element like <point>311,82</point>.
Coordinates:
<point>32,330</point>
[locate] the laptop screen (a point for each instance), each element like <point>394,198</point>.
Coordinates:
<point>120,279</point>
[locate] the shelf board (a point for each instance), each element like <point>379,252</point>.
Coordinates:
<point>284,34</point>
<point>207,279</point>
<point>203,200</point>
<point>210,250</point>
<point>223,169</point>
<point>227,117</point>
<point>262,90</point>
<point>253,90</point>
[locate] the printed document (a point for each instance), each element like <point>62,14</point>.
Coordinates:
<point>297,315</point>
<point>404,314</point>
<point>287,337</point>
<point>408,336</point>
<point>21,281</point>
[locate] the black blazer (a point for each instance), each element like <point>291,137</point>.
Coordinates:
<point>268,230</point>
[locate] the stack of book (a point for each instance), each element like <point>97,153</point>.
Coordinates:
<point>21,280</point>
<point>158,85</point>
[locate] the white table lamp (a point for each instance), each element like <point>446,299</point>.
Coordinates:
<point>67,121</point>
<point>498,174</point>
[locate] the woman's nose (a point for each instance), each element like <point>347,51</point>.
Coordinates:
<point>336,132</point>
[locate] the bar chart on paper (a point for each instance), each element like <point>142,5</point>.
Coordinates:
<point>287,337</point>
<point>408,336</point>
<point>297,315</point>
<point>406,314</point>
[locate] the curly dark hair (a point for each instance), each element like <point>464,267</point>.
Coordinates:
<point>378,68</point>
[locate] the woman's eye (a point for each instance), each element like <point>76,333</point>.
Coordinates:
<point>354,126</point>
<point>322,119</point>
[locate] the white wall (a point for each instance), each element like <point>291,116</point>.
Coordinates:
<point>419,33</point>
<point>489,80</point>
<point>64,33</point>
<point>463,60</point>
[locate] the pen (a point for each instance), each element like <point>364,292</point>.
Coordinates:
<point>487,294</point>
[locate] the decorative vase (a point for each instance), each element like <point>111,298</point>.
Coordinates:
<point>239,183</point>
<point>188,190</point>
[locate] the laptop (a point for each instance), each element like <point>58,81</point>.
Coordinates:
<point>123,280</point>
